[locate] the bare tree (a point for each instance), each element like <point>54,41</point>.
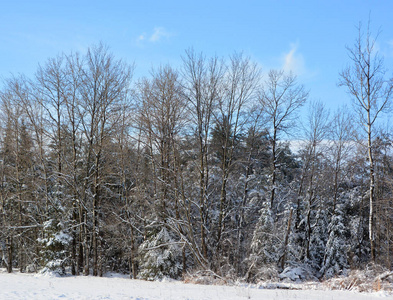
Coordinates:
<point>240,87</point>
<point>281,98</point>
<point>371,93</point>
<point>202,89</point>
<point>9,116</point>
<point>104,83</point>
<point>163,117</point>
<point>316,132</point>
<point>72,116</point>
<point>51,89</point>
<point>341,136</point>
<point>17,173</point>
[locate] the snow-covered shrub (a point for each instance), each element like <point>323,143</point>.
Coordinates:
<point>160,256</point>
<point>54,268</point>
<point>33,267</point>
<point>372,279</point>
<point>298,273</point>
<point>267,273</point>
<point>206,277</point>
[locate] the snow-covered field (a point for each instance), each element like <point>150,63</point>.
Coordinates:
<point>27,286</point>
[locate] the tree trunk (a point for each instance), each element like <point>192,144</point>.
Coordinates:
<point>274,167</point>
<point>202,199</point>
<point>86,270</point>
<point>284,255</point>
<point>10,248</point>
<point>372,187</point>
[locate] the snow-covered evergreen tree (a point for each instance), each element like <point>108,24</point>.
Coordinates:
<point>264,247</point>
<point>54,246</point>
<point>335,258</point>
<point>160,256</point>
<point>318,239</point>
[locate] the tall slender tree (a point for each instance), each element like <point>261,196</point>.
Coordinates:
<point>202,84</point>
<point>371,92</point>
<point>280,99</point>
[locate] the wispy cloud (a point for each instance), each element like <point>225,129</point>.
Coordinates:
<point>159,33</point>
<point>390,45</point>
<point>293,61</point>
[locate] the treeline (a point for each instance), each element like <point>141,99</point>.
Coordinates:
<point>188,169</point>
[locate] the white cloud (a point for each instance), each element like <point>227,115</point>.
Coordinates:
<point>293,61</point>
<point>390,43</point>
<point>158,34</point>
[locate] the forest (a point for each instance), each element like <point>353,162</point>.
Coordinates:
<point>194,168</point>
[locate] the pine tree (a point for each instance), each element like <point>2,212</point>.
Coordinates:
<point>160,256</point>
<point>335,258</point>
<point>264,247</point>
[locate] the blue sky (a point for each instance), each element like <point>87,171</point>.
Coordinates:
<point>308,37</point>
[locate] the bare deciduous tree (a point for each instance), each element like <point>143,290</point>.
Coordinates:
<point>202,89</point>
<point>281,98</point>
<point>104,83</point>
<point>240,87</point>
<point>371,93</point>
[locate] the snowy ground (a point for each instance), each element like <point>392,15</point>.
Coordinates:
<point>27,286</point>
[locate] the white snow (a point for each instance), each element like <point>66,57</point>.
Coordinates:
<point>28,286</point>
